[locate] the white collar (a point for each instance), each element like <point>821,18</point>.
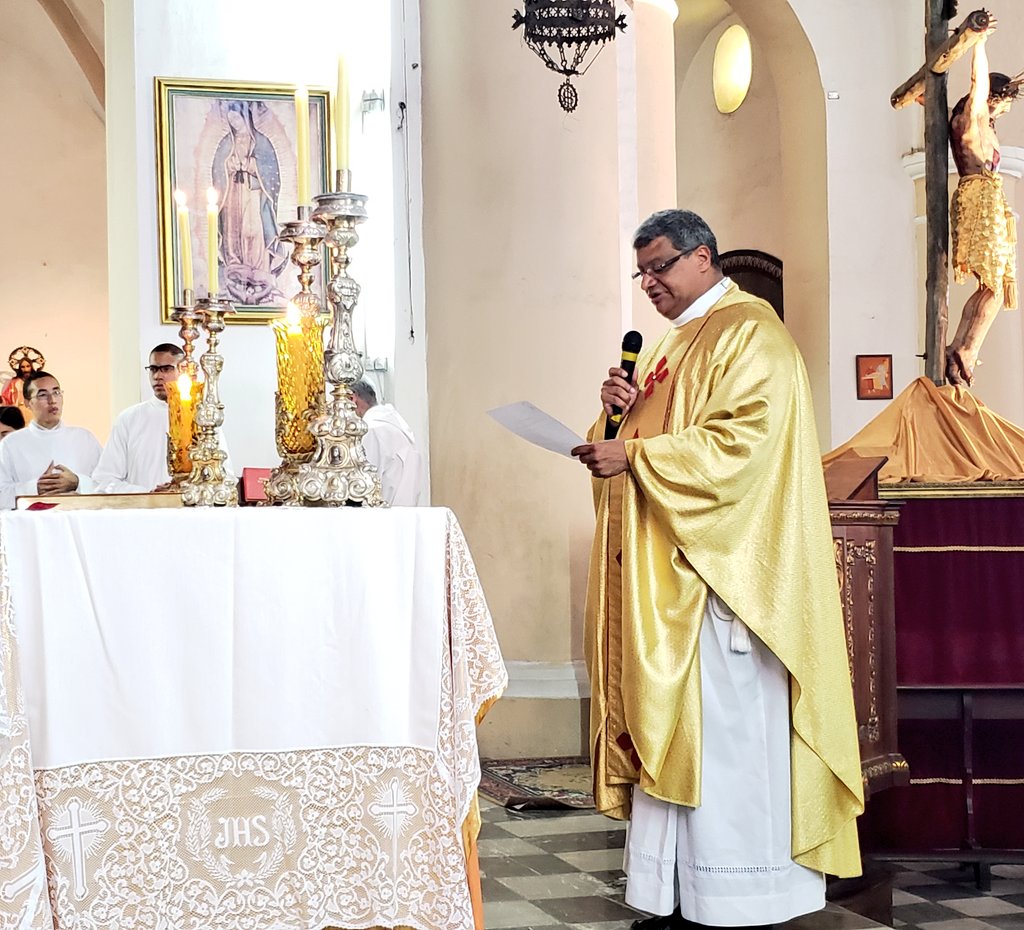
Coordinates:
<point>703,303</point>
<point>45,429</point>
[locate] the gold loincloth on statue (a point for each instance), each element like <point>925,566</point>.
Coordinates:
<point>985,235</point>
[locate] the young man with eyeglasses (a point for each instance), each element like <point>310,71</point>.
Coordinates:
<point>722,716</point>
<point>46,457</point>
<point>134,459</point>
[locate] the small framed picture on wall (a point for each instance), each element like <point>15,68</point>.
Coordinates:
<point>874,377</point>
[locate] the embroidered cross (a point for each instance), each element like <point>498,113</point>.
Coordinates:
<point>660,373</point>
<point>392,808</point>
<point>79,835</point>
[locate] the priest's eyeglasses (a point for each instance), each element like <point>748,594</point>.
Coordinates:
<point>45,396</point>
<point>656,271</point>
<point>161,369</point>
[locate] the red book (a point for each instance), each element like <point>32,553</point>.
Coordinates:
<point>254,488</point>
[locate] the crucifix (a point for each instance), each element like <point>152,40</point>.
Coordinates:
<point>941,50</point>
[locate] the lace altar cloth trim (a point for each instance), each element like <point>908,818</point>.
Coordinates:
<point>353,837</point>
<point>23,901</point>
<point>349,837</point>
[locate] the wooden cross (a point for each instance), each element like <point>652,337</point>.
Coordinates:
<point>941,50</point>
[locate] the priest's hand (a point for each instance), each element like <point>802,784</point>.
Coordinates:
<point>57,479</point>
<point>604,459</point>
<point>618,391</point>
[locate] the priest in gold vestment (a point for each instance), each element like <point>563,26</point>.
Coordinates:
<point>722,718</point>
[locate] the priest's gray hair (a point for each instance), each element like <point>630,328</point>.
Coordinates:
<point>365,390</point>
<point>683,228</point>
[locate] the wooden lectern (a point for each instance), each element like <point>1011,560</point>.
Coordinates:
<point>862,529</point>
<point>862,540</point>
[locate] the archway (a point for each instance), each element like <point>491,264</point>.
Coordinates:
<point>767,186</point>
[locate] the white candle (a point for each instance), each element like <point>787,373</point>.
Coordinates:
<point>302,141</point>
<point>212,273</point>
<point>342,117</point>
<point>184,239</point>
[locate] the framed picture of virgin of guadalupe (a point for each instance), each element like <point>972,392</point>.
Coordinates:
<point>227,178</point>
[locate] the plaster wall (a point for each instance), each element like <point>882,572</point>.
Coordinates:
<point>521,249</point>
<point>872,283</point>
<point>54,273</point>
<point>781,145</point>
<point>732,162</point>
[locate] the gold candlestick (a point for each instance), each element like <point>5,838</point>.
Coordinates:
<point>210,484</point>
<point>179,464</point>
<point>299,400</point>
<point>339,472</point>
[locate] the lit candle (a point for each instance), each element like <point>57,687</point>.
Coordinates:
<point>302,141</point>
<point>213,273</point>
<point>181,422</point>
<point>341,119</point>
<point>184,239</point>
<point>292,361</point>
<point>298,352</point>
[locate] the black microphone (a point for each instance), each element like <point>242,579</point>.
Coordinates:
<point>631,345</point>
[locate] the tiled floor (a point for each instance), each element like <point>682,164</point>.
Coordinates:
<point>941,896</point>
<point>554,869</point>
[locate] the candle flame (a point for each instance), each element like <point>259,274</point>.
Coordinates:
<point>212,196</point>
<point>180,199</point>
<point>184,386</point>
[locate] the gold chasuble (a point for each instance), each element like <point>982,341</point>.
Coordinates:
<point>725,491</point>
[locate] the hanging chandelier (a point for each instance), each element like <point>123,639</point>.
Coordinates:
<point>564,33</point>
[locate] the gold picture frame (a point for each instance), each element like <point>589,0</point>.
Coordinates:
<point>238,138</point>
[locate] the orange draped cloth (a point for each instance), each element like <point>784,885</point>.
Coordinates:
<point>941,435</point>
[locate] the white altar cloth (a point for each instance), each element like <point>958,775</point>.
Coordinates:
<point>254,718</point>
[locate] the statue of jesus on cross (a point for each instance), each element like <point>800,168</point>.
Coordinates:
<point>984,235</point>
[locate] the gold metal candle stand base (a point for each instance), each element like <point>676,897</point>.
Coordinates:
<point>210,484</point>
<point>339,472</point>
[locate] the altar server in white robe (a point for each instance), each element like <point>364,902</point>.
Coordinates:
<point>391,447</point>
<point>134,459</point>
<point>46,457</point>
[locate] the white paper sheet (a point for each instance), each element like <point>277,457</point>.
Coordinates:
<point>536,426</point>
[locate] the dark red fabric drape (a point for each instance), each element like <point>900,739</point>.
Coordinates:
<point>960,612</point>
<point>959,581</point>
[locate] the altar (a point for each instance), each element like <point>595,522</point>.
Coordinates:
<point>258,718</point>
